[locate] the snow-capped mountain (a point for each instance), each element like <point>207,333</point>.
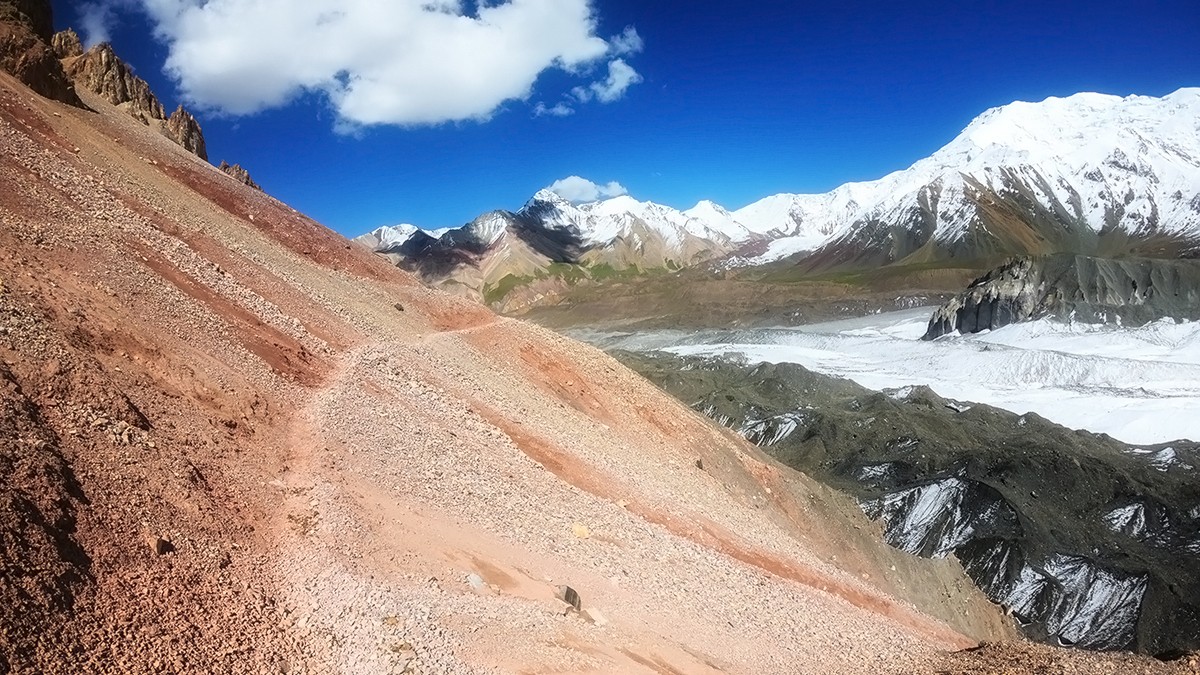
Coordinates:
<point>612,235</point>
<point>1090,174</point>
<point>1076,174</point>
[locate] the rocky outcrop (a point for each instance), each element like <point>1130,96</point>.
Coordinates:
<point>66,44</point>
<point>101,71</point>
<point>1086,540</point>
<point>25,54</point>
<point>239,174</point>
<point>185,130</point>
<point>38,15</point>
<point>1131,291</point>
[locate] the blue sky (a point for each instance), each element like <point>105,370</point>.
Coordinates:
<point>736,101</point>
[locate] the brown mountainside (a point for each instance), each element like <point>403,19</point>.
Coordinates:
<point>234,442</point>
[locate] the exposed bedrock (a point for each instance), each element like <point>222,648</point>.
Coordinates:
<point>183,128</point>
<point>100,70</point>
<point>1088,541</point>
<point>239,174</point>
<point>1131,291</point>
<point>25,52</point>
<point>66,44</point>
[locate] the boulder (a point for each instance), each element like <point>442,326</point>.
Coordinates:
<point>569,596</point>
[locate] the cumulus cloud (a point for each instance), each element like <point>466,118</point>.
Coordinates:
<point>576,189</point>
<point>559,110</point>
<point>406,62</point>
<point>96,20</point>
<point>628,42</point>
<point>621,76</point>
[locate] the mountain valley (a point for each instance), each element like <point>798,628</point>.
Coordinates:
<point>235,441</point>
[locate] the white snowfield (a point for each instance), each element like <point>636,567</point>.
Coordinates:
<point>1139,385</point>
<point>1134,161</point>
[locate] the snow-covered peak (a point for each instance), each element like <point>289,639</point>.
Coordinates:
<point>715,216</point>
<point>487,228</point>
<point>548,196</point>
<point>1076,131</point>
<point>391,236</point>
<point>1096,155</point>
<point>1093,160</point>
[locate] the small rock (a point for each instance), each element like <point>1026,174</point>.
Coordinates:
<point>157,544</point>
<point>569,596</point>
<point>581,530</point>
<point>477,584</point>
<point>593,615</point>
<point>700,464</point>
<point>399,307</point>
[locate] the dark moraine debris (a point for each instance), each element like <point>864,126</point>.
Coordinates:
<point>1088,541</point>
<point>1132,291</point>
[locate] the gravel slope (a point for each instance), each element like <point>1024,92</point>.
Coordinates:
<point>271,452</point>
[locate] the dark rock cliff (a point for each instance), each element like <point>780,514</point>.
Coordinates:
<point>37,14</point>
<point>1132,291</point>
<point>25,27</point>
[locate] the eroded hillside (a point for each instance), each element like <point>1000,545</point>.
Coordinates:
<point>236,442</point>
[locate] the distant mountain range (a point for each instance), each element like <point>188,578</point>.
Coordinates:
<point>1090,174</point>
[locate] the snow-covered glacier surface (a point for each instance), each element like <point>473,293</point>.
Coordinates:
<point>1139,385</point>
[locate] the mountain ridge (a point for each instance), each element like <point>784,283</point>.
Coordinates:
<point>1092,174</point>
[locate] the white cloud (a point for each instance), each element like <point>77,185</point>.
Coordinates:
<point>576,189</point>
<point>621,76</point>
<point>559,110</point>
<point>628,42</point>
<point>96,20</point>
<point>407,62</point>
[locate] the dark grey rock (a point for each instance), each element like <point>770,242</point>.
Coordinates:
<point>1132,291</point>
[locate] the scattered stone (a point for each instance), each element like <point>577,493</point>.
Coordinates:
<point>569,596</point>
<point>593,615</point>
<point>399,307</point>
<point>478,585</point>
<point>700,464</point>
<point>159,545</point>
